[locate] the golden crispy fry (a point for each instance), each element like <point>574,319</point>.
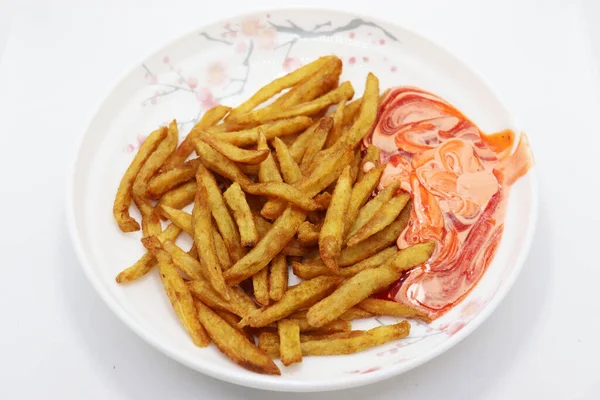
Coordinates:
<point>297,297</point>
<point>365,283</point>
<point>355,313</point>
<point>220,212</point>
<point>316,143</point>
<point>210,118</point>
<point>315,85</point>
<point>249,170</point>
<point>221,249</point>
<point>335,326</point>
<point>360,194</point>
<point>368,113</point>
<point>150,219</point>
<point>369,161</point>
<point>185,262</point>
<point>281,128</point>
<point>371,338</point>
<point>289,168</point>
<point>351,112</point>
<point>282,231</point>
<point>178,293</point>
<point>202,224</point>
<point>235,153</point>
<point>193,252</point>
<point>203,291</point>
<point>233,321</point>
<point>179,218</point>
<point>323,200</point>
<point>220,164</point>
<point>291,249</point>
<point>283,191</point>
<point>278,277</point>
<point>338,125</point>
<point>147,261</point>
<point>290,139</point>
<point>343,92</point>
<point>298,148</point>
<point>354,167</point>
<point>179,197</point>
<point>294,248</point>
<point>289,339</point>
<point>390,309</point>
<point>234,344</point>
<point>308,234</point>
<point>260,284</point>
<point>382,218</point>
<point>330,237</point>
<point>322,176</point>
<point>271,89</point>
<point>267,171</point>
<point>123,198</point>
<point>373,206</point>
<point>236,200</point>
<point>337,343</point>
<point>172,178</point>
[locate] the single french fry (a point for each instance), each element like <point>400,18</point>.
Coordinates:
<point>337,343</point>
<point>235,153</point>
<point>382,218</point>
<point>179,197</point>
<point>391,309</point>
<point>185,262</point>
<point>361,192</point>
<point>371,338</point>
<point>316,143</point>
<point>172,178</point>
<point>308,234</point>
<point>221,249</point>
<point>210,118</point>
<point>354,167</point>
<point>150,219</point>
<point>220,164</point>
<point>124,193</point>
<point>178,292</point>
<point>355,313</point>
<point>291,249</point>
<point>296,298</point>
<point>282,231</point>
<point>234,344</point>
<point>281,128</point>
<point>203,238</point>
<point>335,326</point>
<point>260,284</point>
<point>236,200</point>
<point>220,212</point>
<point>289,168</point>
<point>283,191</point>
<point>343,92</point>
<point>368,113</point>
<point>233,321</point>
<point>338,125</point>
<point>147,261</point>
<point>372,207</point>
<point>203,291</point>
<point>365,283</point>
<point>267,170</point>
<point>351,112</point>
<point>322,176</point>
<point>278,277</point>
<point>369,161</point>
<point>330,237</point>
<point>180,218</point>
<point>289,339</point>
<point>276,86</point>
<point>300,145</point>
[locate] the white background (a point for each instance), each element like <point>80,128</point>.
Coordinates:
<point>60,58</point>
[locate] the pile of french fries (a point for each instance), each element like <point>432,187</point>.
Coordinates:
<point>272,186</point>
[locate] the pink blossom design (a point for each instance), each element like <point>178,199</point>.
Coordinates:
<point>382,41</point>
<point>206,98</point>
<point>129,148</point>
<point>365,59</point>
<point>454,327</point>
<point>192,83</point>
<point>351,35</point>
<point>290,64</point>
<point>241,46</point>
<point>352,60</point>
<point>141,139</point>
<point>370,33</point>
<point>216,73</point>
<point>265,36</point>
<point>165,59</point>
<point>394,69</point>
<point>368,371</point>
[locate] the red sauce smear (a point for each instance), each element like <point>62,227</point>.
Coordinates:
<point>459,179</point>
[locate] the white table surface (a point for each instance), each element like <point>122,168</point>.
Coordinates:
<point>59,59</point>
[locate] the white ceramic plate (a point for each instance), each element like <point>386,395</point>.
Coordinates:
<point>226,62</point>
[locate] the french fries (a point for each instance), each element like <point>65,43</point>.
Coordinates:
<point>309,202</point>
<point>366,283</point>
<point>289,338</point>
<point>178,293</point>
<point>236,200</point>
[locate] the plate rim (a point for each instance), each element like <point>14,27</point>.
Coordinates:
<point>249,379</point>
